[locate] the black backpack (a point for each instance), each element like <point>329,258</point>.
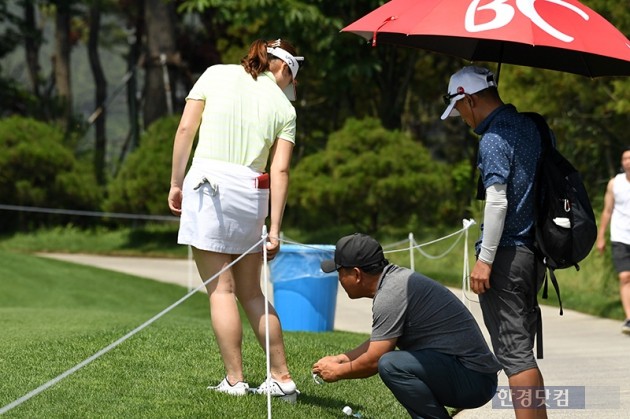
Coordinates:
<point>565,224</point>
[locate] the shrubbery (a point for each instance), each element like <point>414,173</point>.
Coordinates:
<point>38,170</point>
<point>142,184</point>
<point>368,178</point>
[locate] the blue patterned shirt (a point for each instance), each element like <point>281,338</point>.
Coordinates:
<point>508,155</point>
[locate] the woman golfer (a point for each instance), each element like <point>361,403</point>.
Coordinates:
<point>246,124</point>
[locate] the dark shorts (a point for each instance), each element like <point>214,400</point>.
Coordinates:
<point>621,256</point>
<point>510,308</point>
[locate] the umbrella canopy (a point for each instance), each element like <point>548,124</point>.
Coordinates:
<point>561,35</point>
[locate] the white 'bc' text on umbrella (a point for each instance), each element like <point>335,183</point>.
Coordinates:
<point>505,12</point>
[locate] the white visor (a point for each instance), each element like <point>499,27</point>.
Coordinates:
<point>294,66</point>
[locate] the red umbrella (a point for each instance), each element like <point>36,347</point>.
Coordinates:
<point>561,35</point>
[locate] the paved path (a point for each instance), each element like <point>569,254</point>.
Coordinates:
<point>580,351</point>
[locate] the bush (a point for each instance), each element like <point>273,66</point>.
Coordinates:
<point>368,178</point>
<point>38,170</point>
<point>142,184</point>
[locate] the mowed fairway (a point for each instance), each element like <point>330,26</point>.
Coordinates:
<point>54,315</point>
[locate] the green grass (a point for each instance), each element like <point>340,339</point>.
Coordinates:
<point>53,315</point>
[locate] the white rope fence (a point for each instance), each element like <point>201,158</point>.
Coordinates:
<point>89,213</point>
<point>412,245</point>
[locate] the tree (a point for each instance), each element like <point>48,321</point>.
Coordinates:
<point>100,92</point>
<point>10,35</point>
<point>160,58</point>
<point>26,30</point>
<point>61,62</point>
<point>32,44</point>
<point>134,12</point>
<point>14,98</point>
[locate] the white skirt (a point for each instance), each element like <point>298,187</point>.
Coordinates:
<point>222,209</point>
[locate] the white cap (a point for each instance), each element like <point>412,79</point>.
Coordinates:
<point>347,410</point>
<point>294,66</point>
<point>467,81</point>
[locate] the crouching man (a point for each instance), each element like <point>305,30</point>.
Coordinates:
<point>443,359</point>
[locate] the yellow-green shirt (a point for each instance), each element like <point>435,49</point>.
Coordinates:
<point>242,117</point>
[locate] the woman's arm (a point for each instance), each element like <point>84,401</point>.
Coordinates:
<point>279,187</point>
<point>184,137</point>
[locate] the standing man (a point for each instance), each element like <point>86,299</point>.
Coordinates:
<point>506,275</point>
<point>443,357</point>
<point>617,209</point>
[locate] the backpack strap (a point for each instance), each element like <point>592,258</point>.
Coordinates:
<point>549,273</point>
<point>546,144</point>
<point>539,325</point>
<point>543,130</point>
<point>539,334</point>
<point>554,282</point>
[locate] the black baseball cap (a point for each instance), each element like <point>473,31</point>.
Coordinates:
<point>356,250</point>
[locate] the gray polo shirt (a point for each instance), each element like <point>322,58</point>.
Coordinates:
<point>423,314</point>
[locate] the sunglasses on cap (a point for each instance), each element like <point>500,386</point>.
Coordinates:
<point>447,98</point>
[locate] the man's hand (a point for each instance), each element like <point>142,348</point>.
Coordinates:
<point>361,362</point>
<point>336,359</point>
<point>327,367</point>
<point>480,277</point>
<point>601,245</point>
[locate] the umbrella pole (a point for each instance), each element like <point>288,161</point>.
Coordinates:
<point>496,77</point>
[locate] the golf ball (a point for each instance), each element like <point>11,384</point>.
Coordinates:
<point>317,379</point>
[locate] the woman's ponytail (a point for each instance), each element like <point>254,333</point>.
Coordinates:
<point>257,59</point>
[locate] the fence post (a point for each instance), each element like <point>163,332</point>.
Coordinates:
<point>411,255</point>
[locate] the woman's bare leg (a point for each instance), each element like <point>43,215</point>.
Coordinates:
<point>224,313</point>
<point>247,273</point>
